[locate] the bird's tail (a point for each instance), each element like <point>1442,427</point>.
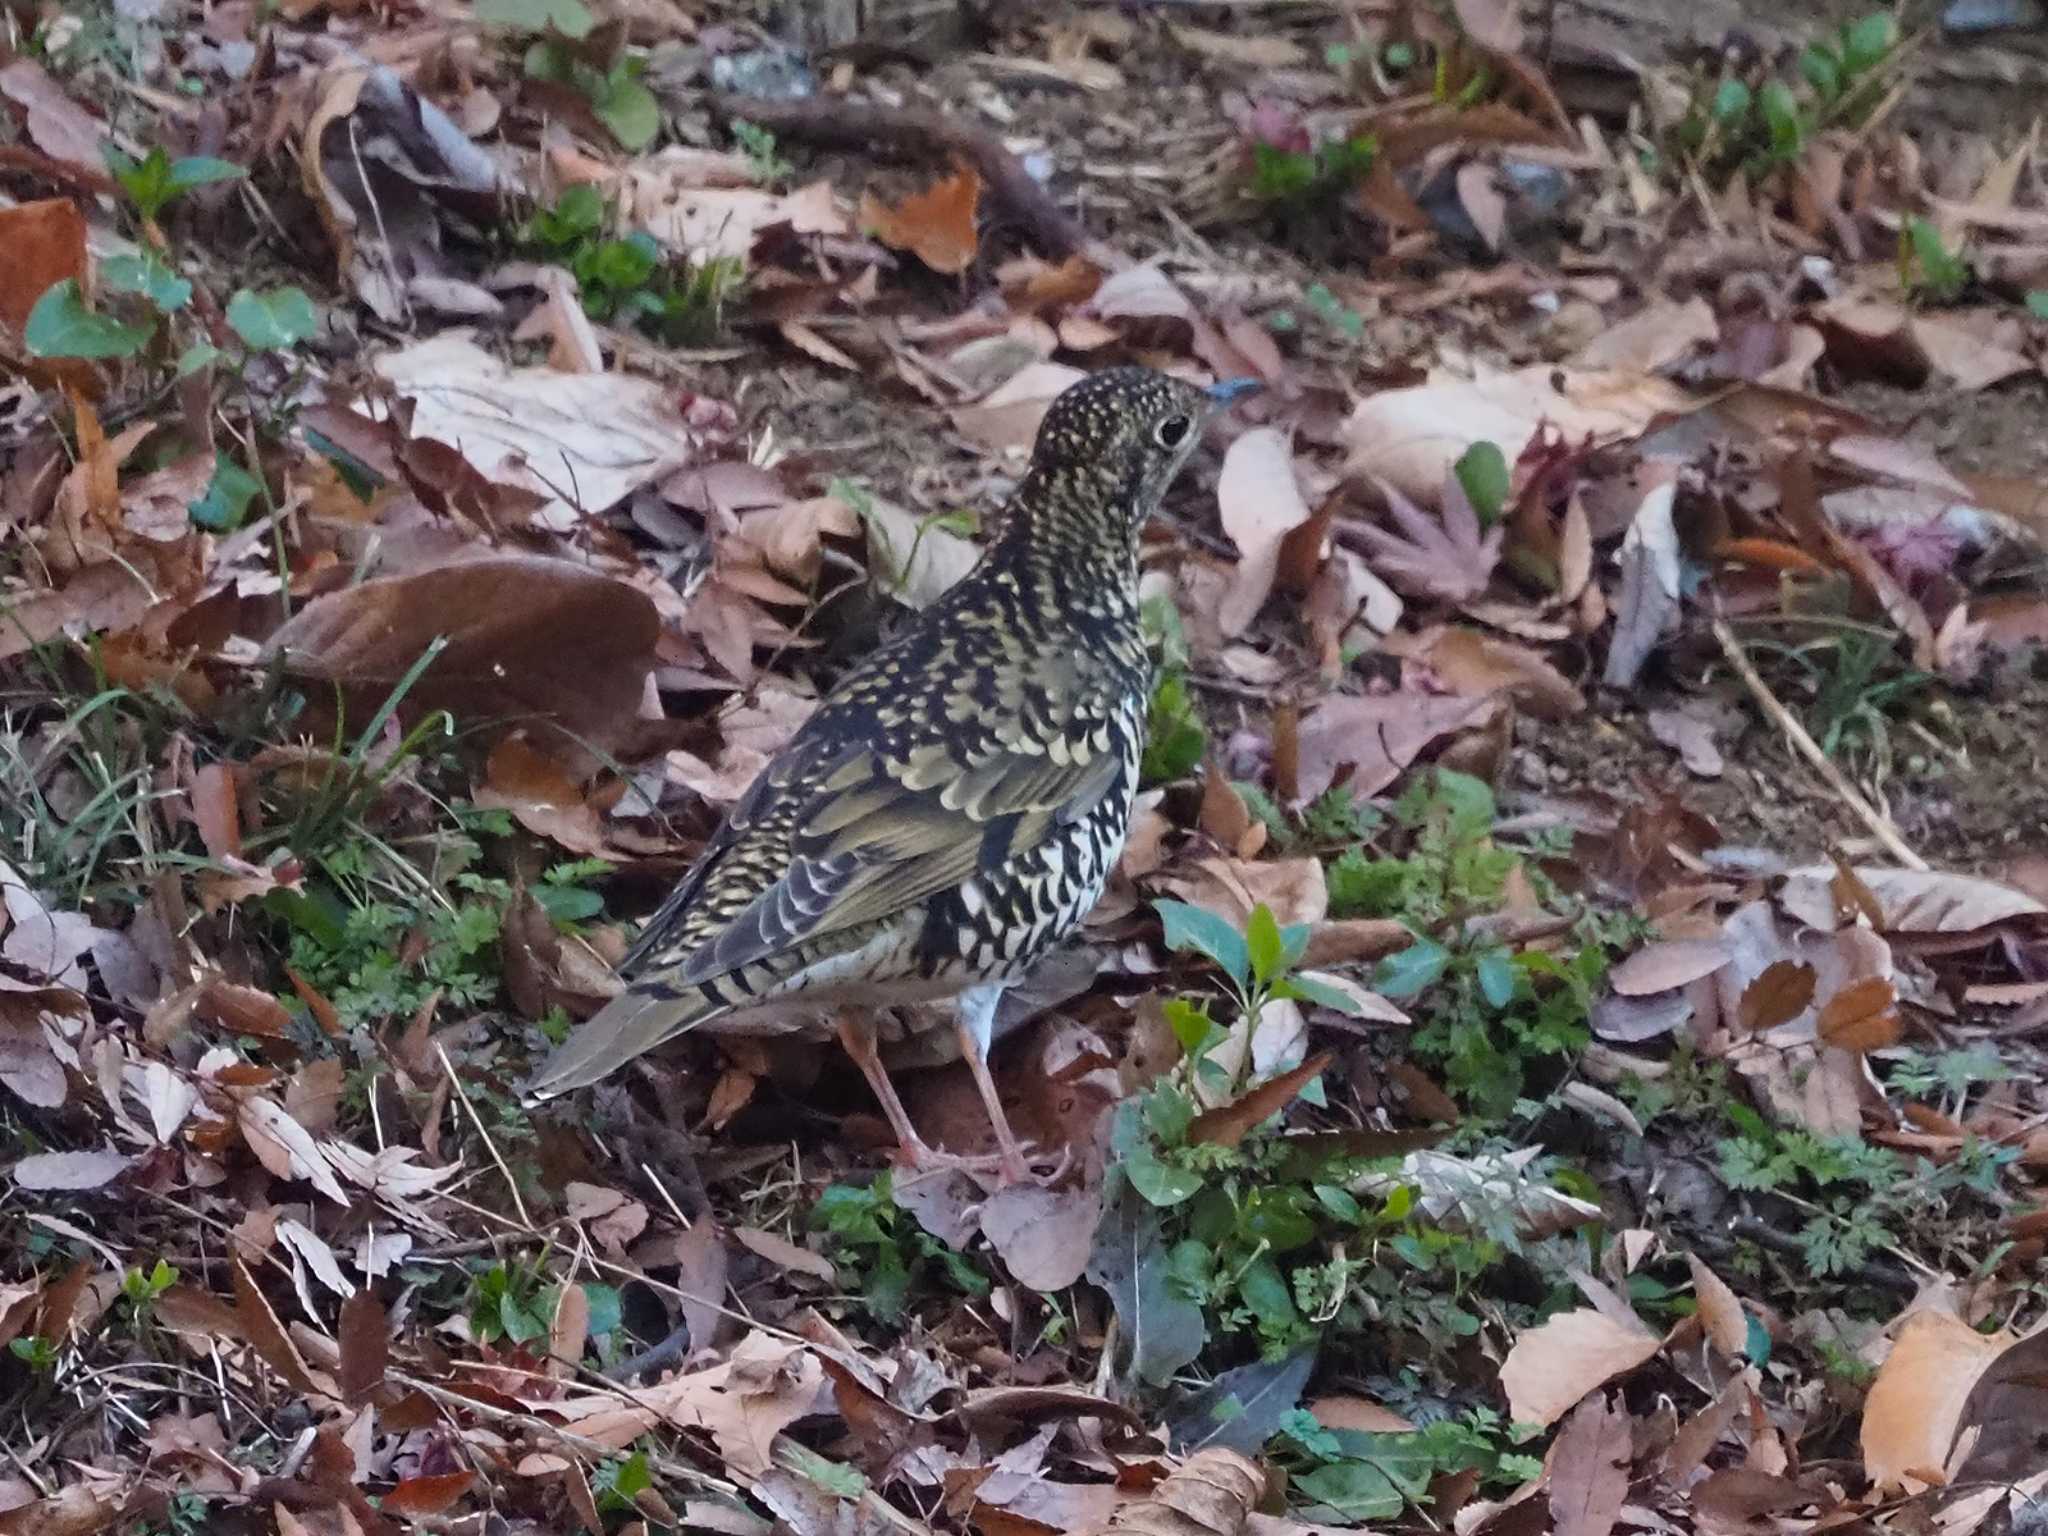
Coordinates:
<point>634,1022</point>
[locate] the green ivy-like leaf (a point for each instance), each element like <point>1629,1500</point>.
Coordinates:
<point>273,320</point>
<point>1195,928</point>
<point>147,274</point>
<point>1421,965</point>
<point>1866,42</point>
<point>227,497</point>
<point>571,18</point>
<point>200,354</point>
<point>61,326</point>
<point>629,109</point>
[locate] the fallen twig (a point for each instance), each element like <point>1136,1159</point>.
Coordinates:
<point>1880,825</point>
<point>841,124</point>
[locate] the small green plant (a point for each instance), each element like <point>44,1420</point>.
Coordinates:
<point>1855,681</point>
<point>1928,269</point>
<point>1357,1476</point>
<point>140,1289</point>
<point>1493,1012</point>
<point>629,277</point>
<point>1174,736</point>
<point>758,145</point>
<point>154,182</point>
<point>1293,180</point>
<point>39,1354</point>
<point>1858,1198</point>
<point>566,49</point>
<point>509,1302</point>
<point>1755,122</point>
<point>884,1252</point>
<point>1283,1241</point>
<point>1951,1072</point>
<point>1451,867</point>
<point>145,323</point>
<point>618,1483</point>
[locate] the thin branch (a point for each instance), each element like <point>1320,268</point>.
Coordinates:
<point>837,123</point>
<point>1880,825</point>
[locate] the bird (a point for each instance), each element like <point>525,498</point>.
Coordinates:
<point>952,808</point>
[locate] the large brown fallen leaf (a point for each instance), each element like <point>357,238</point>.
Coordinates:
<point>1969,350</point>
<point>744,1403</point>
<point>1554,1365</point>
<point>1913,901</point>
<point>1411,437</point>
<point>1376,736</point>
<point>1588,1471</point>
<point>1210,1494</point>
<point>1911,1415</point>
<point>583,440</point>
<point>524,635</point>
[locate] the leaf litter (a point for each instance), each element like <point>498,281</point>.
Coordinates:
<point>1564,1041</point>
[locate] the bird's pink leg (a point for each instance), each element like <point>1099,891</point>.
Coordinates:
<point>856,1033</point>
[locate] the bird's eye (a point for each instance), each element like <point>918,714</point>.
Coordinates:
<point>1173,431</point>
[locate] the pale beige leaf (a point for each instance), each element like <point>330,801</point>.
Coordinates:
<point>1910,1416</point>
<point>1261,502</point>
<point>596,437</point>
<point>1666,964</point>
<point>284,1146</point>
<point>1552,1366</point>
<point>71,1170</point>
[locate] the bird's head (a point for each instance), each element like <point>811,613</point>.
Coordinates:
<point>1127,432</point>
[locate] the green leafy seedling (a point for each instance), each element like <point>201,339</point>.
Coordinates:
<point>156,181</point>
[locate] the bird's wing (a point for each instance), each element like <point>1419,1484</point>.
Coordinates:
<point>829,840</point>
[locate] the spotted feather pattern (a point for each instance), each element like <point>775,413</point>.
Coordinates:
<point>951,810</point>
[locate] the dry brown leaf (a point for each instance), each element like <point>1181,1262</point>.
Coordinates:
<point>1475,665</point>
<point>1666,964</point>
<point>1450,557</point>
<point>1552,1366</point>
<point>1914,1408</point>
<point>70,1170</point>
<point>1411,437</point>
<point>1911,901</point>
<point>1779,995</point>
<point>1653,338</point>
<point>1376,736</point>
<point>525,636</point>
<point>584,441</point>
<point>1862,1017</point>
<point>1720,1312</point>
<point>1043,1236</point>
<point>1228,1124</point>
<point>1006,420</point>
<point>937,225</point>
<point>61,128</point>
<point>1212,1493</point>
<point>1588,1469</point>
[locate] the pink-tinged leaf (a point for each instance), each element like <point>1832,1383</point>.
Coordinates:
<point>1448,557</point>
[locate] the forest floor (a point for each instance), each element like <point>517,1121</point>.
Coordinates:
<point>1563,1047</point>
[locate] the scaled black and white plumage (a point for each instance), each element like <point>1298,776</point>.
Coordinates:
<point>952,808</point>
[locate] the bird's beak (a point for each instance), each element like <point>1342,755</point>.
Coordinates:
<point>1225,393</point>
